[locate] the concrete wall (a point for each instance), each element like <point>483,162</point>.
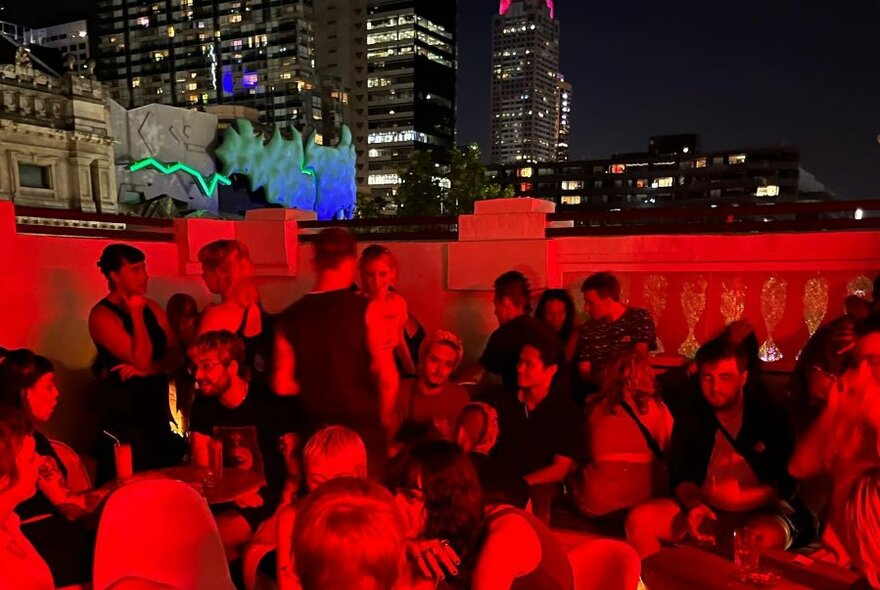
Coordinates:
<point>49,284</point>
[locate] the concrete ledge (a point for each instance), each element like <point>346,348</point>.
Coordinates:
<point>513,205</point>
<point>502,226</point>
<point>191,234</point>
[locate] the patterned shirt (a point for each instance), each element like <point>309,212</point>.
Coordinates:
<point>600,341</point>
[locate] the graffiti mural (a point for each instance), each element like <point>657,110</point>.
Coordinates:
<point>292,172</point>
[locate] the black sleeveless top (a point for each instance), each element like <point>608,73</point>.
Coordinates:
<point>106,361</point>
<point>258,348</point>
<point>328,334</point>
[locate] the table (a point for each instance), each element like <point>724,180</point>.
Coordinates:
<point>695,569</point>
<point>234,483</point>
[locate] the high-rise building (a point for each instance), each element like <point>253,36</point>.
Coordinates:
<point>525,82</point>
<point>68,38</point>
<point>411,64</point>
<point>254,53</point>
<point>564,98</point>
<point>341,54</point>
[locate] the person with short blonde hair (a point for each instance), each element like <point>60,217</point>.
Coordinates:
<point>228,271</point>
<point>431,398</point>
<point>332,452</point>
<point>349,534</point>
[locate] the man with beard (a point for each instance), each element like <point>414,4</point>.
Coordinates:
<point>728,465</point>
<point>252,424</point>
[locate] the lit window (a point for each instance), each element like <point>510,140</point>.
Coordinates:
<point>135,82</point>
<point>736,159</point>
<point>771,190</point>
<point>700,163</point>
<point>525,187</point>
<point>525,172</point>
<point>618,168</point>
<point>664,182</point>
<point>571,200</point>
<point>235,18</point>
<point>143,21</point>
<point>375,179</point>
<point>192,86</point>
<point>642,183</point>
<point>572,185</point>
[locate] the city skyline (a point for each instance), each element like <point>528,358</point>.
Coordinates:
<point>795,75</point>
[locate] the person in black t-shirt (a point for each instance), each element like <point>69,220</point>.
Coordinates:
<point>512,308</point>
<point>334,349</point>
<point>254,425</point>
<point>541,428</point>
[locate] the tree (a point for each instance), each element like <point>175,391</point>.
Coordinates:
<point>419,193</point>
<point>468,182</point>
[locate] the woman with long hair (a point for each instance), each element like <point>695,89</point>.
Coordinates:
<point>438,492</point>
<point>378,272</point>
<point>556,309</point>
<point>52,517</point>
<point>21,566</point>
<point>629,430</point>
<point>136,351</point>
<point>228,271</point>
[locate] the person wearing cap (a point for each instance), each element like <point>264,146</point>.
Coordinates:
<point>432,397</point>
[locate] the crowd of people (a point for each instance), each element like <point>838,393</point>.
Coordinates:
<point>385,463</point>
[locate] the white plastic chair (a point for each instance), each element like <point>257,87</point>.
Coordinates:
<point>160,530</point>
<point>605,564</point>
<point>77,475</point>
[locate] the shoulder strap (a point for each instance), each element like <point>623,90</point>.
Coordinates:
<point>726,433</point>
<point>649,438</point>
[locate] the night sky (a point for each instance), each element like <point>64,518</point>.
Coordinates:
<point>742,73</point>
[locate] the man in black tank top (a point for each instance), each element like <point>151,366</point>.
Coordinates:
<point>330,350</point>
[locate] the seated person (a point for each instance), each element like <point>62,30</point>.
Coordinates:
<point>541,428</point>
<point>728,459</point>
<point>21,566</point>
<point>332,452</point>
<point>612,328</point>
<point>477,433</point>
<point>54,518</point>
<point>431,397</point>
<point>843,442</point>
<point>500,547</point>
<point>348,534</point>
<point>628,433</point>
<point>863,520</point>
<point>253,425</point>
<point>512,308</point>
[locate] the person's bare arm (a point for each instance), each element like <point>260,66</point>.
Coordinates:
<point>383,365</point>
<point>511,550</point>
<point>553,473</point>
<point>172,358</point>
<point>284,372</point>
<point>287,578</point>
<point>71,504</point>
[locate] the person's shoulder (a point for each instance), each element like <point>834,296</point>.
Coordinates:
<point>455,390</point>
<point>638,314</point>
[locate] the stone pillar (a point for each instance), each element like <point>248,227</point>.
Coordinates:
<point>503,235</point>
<point>271,236</point>
<point>103,177</point>
<point>80,184</point>
<point>191,234</point>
